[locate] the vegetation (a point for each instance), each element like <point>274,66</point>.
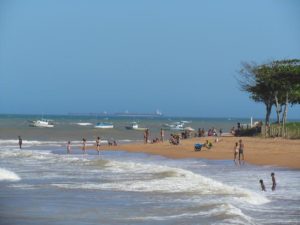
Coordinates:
<point>291,130</point>
<point>274,84</point>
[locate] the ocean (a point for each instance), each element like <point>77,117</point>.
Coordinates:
<point>41,184</point>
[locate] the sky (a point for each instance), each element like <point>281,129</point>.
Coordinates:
<point>181,57</point>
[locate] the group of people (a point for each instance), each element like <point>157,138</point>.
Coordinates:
<point>97,144</point>
<point>262,185</point>
<point>211,132</point>
<point>174,139</point>
<point>238,151</point>
<point>156,139</point>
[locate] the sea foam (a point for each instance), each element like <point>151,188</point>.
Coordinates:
<point>8,175</point>
<point>137,177</point>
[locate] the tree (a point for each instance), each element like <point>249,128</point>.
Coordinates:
<point>257,81</point>
<point>286,77</point>
<point>277,82</point>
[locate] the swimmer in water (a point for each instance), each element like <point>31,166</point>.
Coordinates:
<point>273,181</point>
<point>263,188</point>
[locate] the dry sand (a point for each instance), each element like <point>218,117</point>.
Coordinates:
<point>259,151</point>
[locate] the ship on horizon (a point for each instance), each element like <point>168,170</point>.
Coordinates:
<point>134,114</point>
<point>157,113</point>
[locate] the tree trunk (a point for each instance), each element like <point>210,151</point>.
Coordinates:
<point>267,122</point>
<point>278,108</point>
<point>268,113</point>
<point>284,116</point>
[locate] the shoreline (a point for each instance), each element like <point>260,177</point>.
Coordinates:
<point>258,151</point>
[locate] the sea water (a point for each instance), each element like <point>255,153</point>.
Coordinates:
<point>67,128</point>
<point>41,184</point>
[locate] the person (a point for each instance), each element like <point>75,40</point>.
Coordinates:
<point>98,143</point>
<point>20,142</point>
<point>175,139</point>
<point>232,131</point>
<point>221,132</point>
<point>199,132</point>
<point>147,135</point>
<point>273,181</point>
<point>202,132</point>
<point>162,135</point>
<point>235,151</point>
<point>208,144</point>
<point>241,150</point>
<point>263,188</point>
<point>83,145</point>
<point>112,142</point>
<point>69,147</point>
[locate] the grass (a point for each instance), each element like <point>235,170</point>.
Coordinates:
<point>293,125</point>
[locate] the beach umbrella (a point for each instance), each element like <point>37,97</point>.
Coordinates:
<point>189,129</point>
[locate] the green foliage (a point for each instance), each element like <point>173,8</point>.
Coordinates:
<point>293,125</point>
<point>278,79</point>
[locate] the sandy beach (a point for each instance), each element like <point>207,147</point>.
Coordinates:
<point>258,151</point>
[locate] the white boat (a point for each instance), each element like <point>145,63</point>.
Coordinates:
<point>41,123</point>
<point>104,125</point>
<point>84,124</point>
<point>178,126</point>
<point>134,126</point>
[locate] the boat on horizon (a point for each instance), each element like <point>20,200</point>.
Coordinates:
<point>129,114</point>
<point>41,123</point>
<point>104,125</point>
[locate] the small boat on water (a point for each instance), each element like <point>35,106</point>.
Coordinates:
<point>135,126</point>
<point>84,124</point>
<point>178,126</point>
<point>132,126</point>
<point>41,123</point>
<point>104,125</point>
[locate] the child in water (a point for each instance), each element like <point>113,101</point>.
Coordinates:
<point>273,181</point>
<point>263,188</point>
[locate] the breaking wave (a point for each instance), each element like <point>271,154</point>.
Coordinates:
<point>8,175</point>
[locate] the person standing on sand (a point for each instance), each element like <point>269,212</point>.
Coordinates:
<point>20,142</point>
<point>145,136</point>
<point>241,150</point>
<point>235,151</point>
<point>83,145</point>
<point>162,135</point>
<point>273,181</point>
<point>98,143</point>
<point>69,147</point>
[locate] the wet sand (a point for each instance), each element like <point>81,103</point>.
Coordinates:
<point>258,151</point>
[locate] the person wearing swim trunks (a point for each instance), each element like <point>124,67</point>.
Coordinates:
<point>98,143</point>
<point>273,181</point>
<point>20,142</point>
<point>241,150</point>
